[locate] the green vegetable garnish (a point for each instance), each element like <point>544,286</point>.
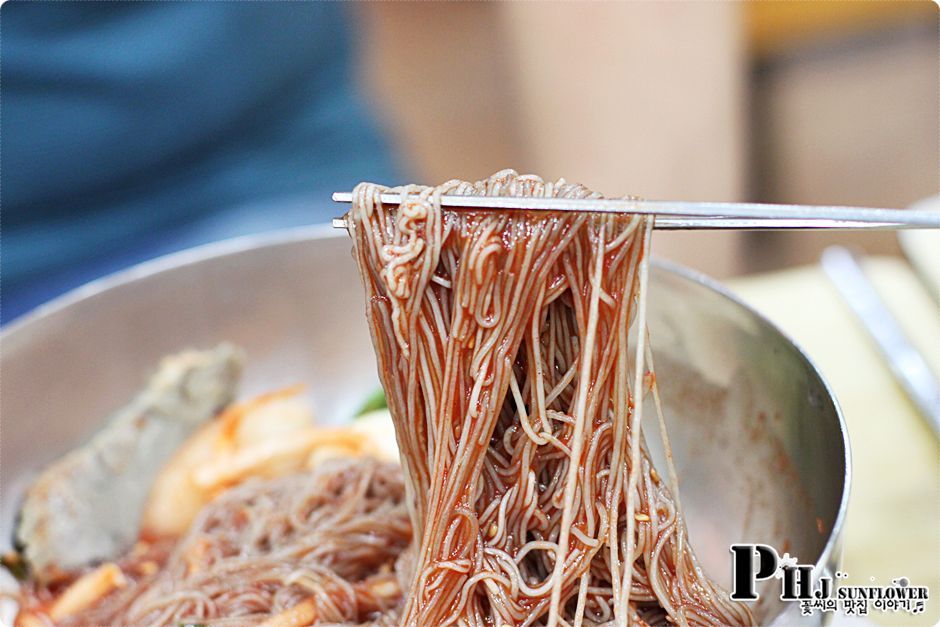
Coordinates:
<point>17,566</point>
<point>374,402</point>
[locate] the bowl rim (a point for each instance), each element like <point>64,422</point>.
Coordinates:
<point>243,243</point>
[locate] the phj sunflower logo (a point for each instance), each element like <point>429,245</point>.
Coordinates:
<point>756,562</point>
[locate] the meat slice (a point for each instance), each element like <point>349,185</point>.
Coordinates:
<point>86,507</point>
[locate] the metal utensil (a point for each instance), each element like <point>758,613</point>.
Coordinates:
<point>907,364</point>
<point>684,215</point>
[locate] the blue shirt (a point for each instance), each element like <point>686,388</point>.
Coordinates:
<point>135,129</point>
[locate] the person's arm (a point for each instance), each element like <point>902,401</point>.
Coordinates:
<point>627,98</point>
<point>641,98</point>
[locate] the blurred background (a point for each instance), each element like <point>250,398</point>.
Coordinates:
<point>132,130</point>
<point>789,102</point>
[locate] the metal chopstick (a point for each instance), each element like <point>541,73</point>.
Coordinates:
<point>906,363</point>
<point>684,215</point>
<point>661,223</point>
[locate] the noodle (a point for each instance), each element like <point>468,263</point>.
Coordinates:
<point>516,388</point>
<point>328,538</point>
<point>513,349</point>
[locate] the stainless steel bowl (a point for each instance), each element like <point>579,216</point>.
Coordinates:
<point>758,438</point>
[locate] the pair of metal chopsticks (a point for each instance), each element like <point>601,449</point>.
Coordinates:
<point>683,215</point>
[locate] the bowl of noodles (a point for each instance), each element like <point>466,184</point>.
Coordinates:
<point>570,433</point>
